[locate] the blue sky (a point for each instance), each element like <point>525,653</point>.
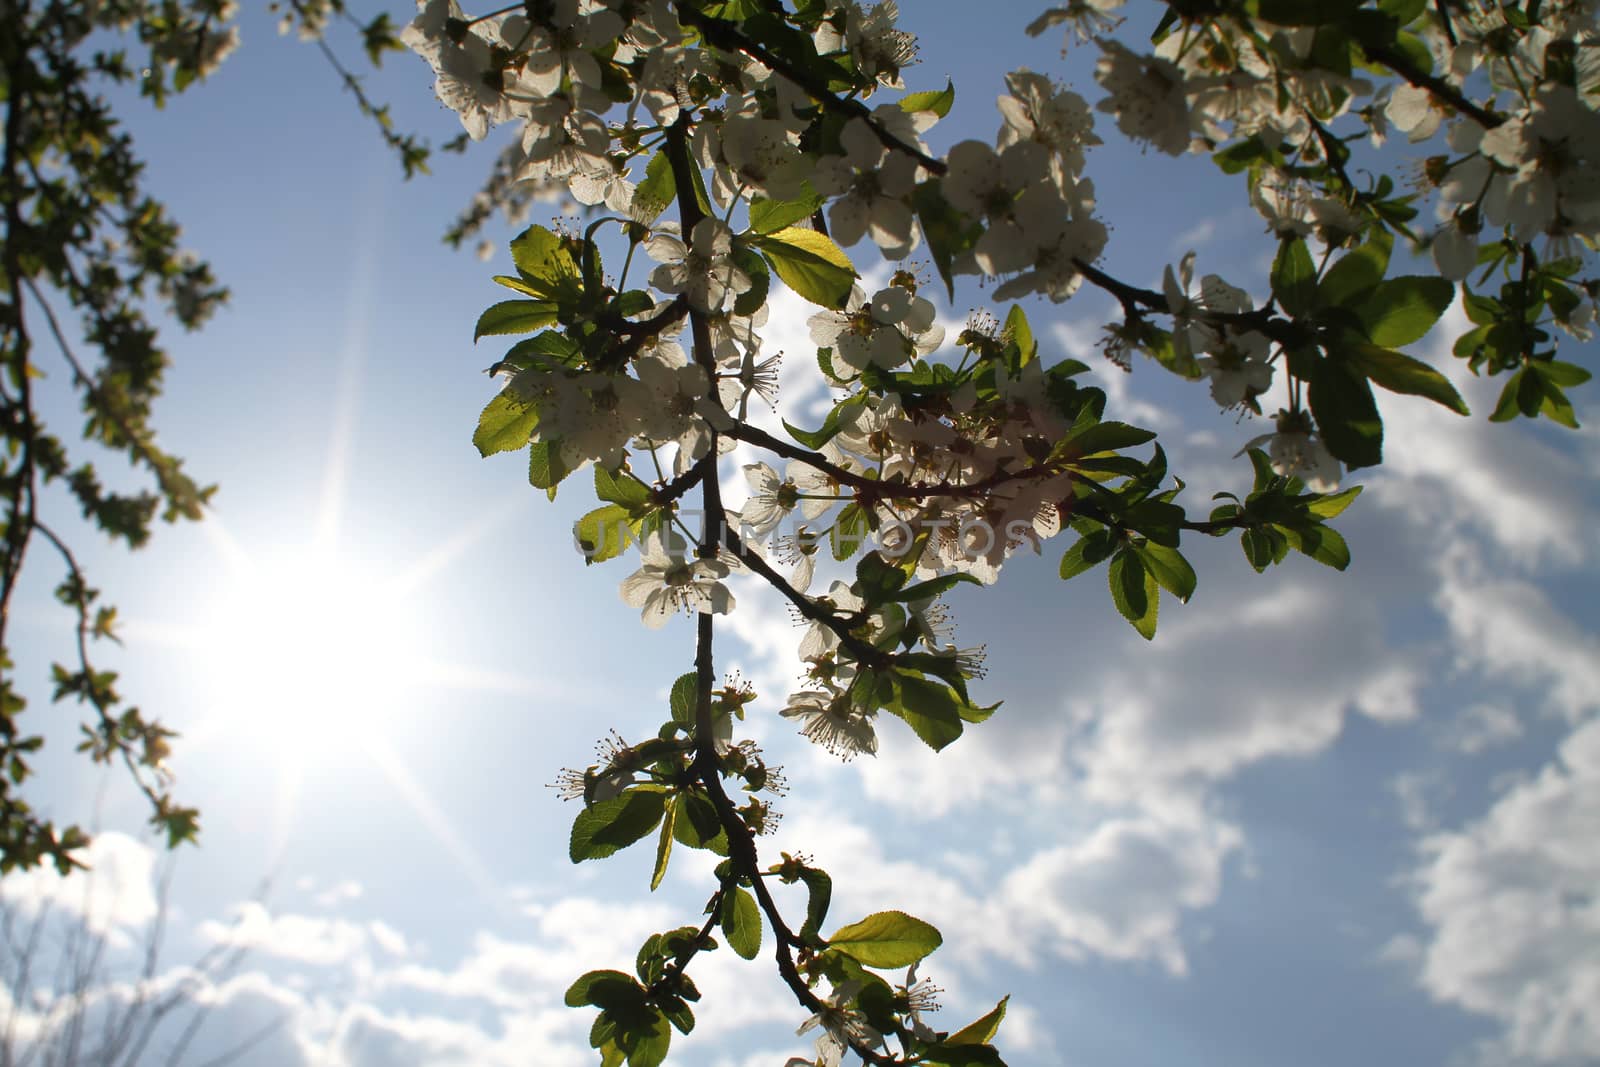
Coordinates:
<point>1322,819</point>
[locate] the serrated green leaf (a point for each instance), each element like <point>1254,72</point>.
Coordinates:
<point>652,195</point>
<point>1103,437</point>
<point>604,989</point>
<point>754,298</point>
<point>1505,409</point>
<point>609,826</point>
<point>770,216</point>
<point>849,531</point>
<point>1402,310</point>
<point>1171,570</point>
<point>819,893</point>
<point>1019,333</point>
<point>879,579</point>
<point>603,533</point>
<point>1325,545</point>
<point>1400,373</point>
<point>887,939</point>
<point>505,425</point>
<point>1294,277</point>
<point>1257,545</point>
<point>684,697</point>
<point>938,101</point>
<point>1357,271</point>
<point>1135,592</point>
<point>664,844</point>
<point>647,1042</point>
<point>1091,549</point>
<point>740,919</point>
<point>697,825</point>
<point>981,1031</point>
<point>949,233</point>
<point>1559,373</point>
<point>514,316</point>
<point>1331,506</point>
<point>620,487</point>
<point>932,709</point>
<point>546,470</point>
<point>1347,415</point>
<point>933,587</point>
<point>810,264</point>
<point>1557,407</point>
<point>546,266</point>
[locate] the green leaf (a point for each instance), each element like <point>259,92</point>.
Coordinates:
<point>605,989</point>
<point>1557,407</point>
<point>810,264</point>
<point>754,298</point>
<point>1020,334</point>
<point>1170,569</point>
<point>544,262</point>
<point>849,531</point>
<point>1092,548</point>
<point>1294,277</point>
<point>620,487</point>
<point>684,697</point>
<point>933,587</point>
<point>1331,506</point>
<point>546,470</point>
<point>664,844</point>
<point>1103,437</point>
<point>655,192</point>
<point>1400,373</point>
<point>949,232</point>
<point>697,825</point>
<point>1258,549</point>
<point>514,316</point>
<point>819,893</point>
<point>1135,593</point>
<point>603,533</point>
<point>830,426</point>
<point>1402,310</point>
<point>938,101</point>
<point>931,709</point>
<point>741,922</point>
<point>886,939</point>
<point>1321,543</point>
<point>983,1030</point>
<point>879,580</point>
<point>1347,415</point>
<point>505,425</point>
<point>1359,270</point>
<point>1559,373</point>
<point>1506,408</point>
<point>770,216</point>
<point>611,825</point>
<point>646,1045</point>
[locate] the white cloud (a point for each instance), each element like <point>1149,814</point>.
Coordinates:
<point>1121,892</point>
<point>1514,910</point>
<point>115,894</point>
<point>1275,680</point>
<point>316,940</point>
<point>1481,727</point>
<point>1442,470</point>
<point>1509,630</point>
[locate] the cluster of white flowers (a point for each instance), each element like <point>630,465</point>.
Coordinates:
<point>1235,358</point>
<point>1029,191</point>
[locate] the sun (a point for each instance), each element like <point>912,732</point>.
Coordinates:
<point>312,653</point>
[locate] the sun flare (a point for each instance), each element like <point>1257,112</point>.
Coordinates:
<point>313,653</point>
